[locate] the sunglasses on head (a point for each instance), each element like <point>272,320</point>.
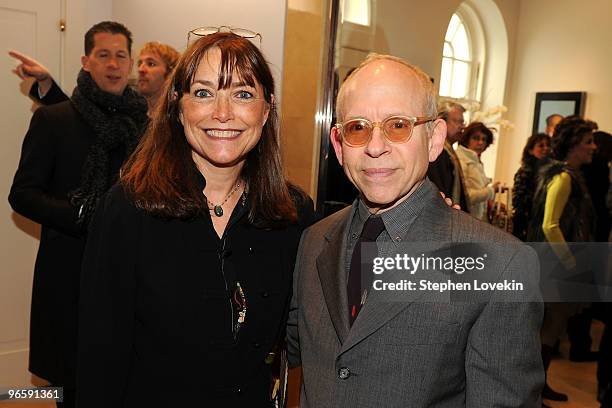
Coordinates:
<point>240,32</point>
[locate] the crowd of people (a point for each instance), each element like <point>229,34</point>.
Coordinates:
<point>172,243</point>
<point>561,194</point>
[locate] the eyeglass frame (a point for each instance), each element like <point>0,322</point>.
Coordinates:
<point>229,29</point>
<point>414,120</point>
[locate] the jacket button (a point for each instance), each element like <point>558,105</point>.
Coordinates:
<point>264,294</point>
<point>256,345</point>
<point>344,373</point>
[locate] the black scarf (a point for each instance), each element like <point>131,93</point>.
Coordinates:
<point>117,120</point>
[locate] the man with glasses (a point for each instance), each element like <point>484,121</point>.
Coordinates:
<point>361,347</point>
<point>71,155</point>
<point>445,172</point>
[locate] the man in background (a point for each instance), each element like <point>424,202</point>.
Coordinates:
<point>551,123</point>
<point>71,155</point>
<point>155,62</point>
<point>445,172</point>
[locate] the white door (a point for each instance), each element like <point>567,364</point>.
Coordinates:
<point>32,27</point>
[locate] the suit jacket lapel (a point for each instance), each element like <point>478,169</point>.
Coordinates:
<point>432,225</point>
<point>332,274</point>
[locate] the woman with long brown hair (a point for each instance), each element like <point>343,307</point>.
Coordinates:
<point>188,267</point>
<point>535,155</point>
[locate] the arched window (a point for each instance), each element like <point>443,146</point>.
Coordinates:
<point>457,61</point>
<point>474,65</point>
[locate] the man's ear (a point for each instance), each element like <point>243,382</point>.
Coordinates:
<point>436,141</point>
<point>336,140</point>
<point>85,62</point>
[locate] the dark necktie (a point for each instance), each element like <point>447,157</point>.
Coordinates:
<point>371,230</point>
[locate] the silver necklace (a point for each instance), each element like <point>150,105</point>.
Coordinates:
<point>217,209</point>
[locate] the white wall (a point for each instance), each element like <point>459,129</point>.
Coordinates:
<point>562,45</point>
<point>496,61</point>
<point>414,30</point>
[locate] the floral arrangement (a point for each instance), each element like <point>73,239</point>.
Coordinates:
<point>491,116</point>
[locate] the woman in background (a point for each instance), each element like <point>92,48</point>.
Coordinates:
<point>562,213</point>
<point>475,140</point>
<point>535,154</point>
<point>188,267</point>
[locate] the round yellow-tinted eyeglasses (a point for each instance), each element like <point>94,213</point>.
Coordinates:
<point>396,129</point>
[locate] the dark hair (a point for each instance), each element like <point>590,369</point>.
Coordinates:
<point>603,140</point>
<point>531,142</point>
<point>107,27</point>
<point>569,133</point>
<point>549,118</point>
<point>472,129</point>
<point>162,175</point>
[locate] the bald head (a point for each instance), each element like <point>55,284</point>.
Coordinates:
<point>551,123</point>
<point>384,170</point>
<point>388,68</point>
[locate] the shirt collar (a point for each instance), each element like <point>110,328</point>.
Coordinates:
<point>398,219</point>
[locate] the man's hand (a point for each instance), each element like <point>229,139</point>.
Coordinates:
<point>449,202</point>
<point>30,68</point>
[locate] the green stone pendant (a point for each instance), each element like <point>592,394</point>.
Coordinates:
<point>218,211</point>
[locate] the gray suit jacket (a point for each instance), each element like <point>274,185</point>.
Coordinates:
<point>413,354</point>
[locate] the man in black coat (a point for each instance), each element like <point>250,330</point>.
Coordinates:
<point>445,172</point>
<point>71,155</point>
